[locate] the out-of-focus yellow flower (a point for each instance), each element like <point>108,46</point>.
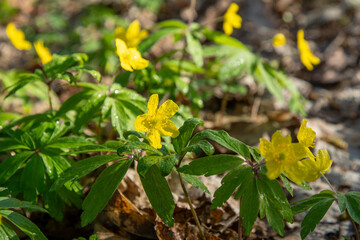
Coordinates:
<point>306,135</point>
<point>156,122</point>
<point>133,35</point>
<point>231,19</point>
<point>279,40</point>
<point>43,52</point>
<point>130,58</point>
<point>280,153</point>
<point>17,37</point>
<point>306,56</point>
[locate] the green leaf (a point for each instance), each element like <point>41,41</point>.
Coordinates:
<point>172,23</point>
<point>165,164</point>
<point>90,70</point>
<point>61,64</point>
<point>195,49</point>
<point>7,233</point>
<point>223,138</point>
<point>118,117</point>
<point>73,101</point>
<point>33,176</point>
<point>12,164</point>
<point>353,205</point>
<point>211,165</point>
<point>186,131</point>
<point>23,224</point>
<point>273,216</point>
<point>10,144</point>
<point>69,142</point>
<point>102,190</point>
<point>307,203</point>
<point>314,216</point>
<point>341,201</point>
<point>202,144</point>
<point>6,202</point>
<point>22,137</point>
<point>159,194</point>
<point>228,185</point>
<point>148,42</point>
<point>287,184</point>
<point>196,182</point>
<point>223,39</point>
<point>83,167</point>
<point>87,112</point>
<point>249,205</point>
<point>22,80</point>
<point>233,66</point>
<point>141,146</point>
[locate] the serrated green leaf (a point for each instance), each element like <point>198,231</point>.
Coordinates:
<point>33,177</point>
<point>142,146</point>
<point>22,80</point>
<point>211,165</point>
<point>9,144</point>
<point>287,184</point>
<point>118,117</point>
<point>159,194</point>
<point>196,182</point>
<point>87,112</point>
<point>24,224</point>
<point>314,216</point>
<point>69,142</point>
<point>102,190</point>
<point>12,164</point>
<point>195,49</point>
<point>249,205</point>
<point>353,205</point>
<point>273,216</point>
<point>61,64</point>
<point>223,139</point>
<point>341,201</point>
<point>83,167</point>
<point>96,74</point>
<point>307,203</point>
<point>22,137</point>
<point>186,131</point>
<point>203,145</point>
<point>243,187</point>
<point>165,164</point>
<point>228,185</point>
<point>73,101</point>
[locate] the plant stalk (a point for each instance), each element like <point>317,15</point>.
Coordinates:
<point>191,206</point>
<point>49,97</point>
<point>240,224</point>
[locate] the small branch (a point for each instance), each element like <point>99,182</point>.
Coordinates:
<point>327,181</point>
<point>191,206</point>
<point>357,236</point>
<point>240,225</point>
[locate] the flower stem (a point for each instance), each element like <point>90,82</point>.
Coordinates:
<point>49,97</point>
<point>240,225</point>
<point>191,206</point>
<point>357,236</point>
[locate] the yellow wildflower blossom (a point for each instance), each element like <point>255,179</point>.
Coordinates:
<point>17,37</point>
<point>280,153</point>
<point>130,58</point>
<point>43,52</point>
<point>306,56</point>
<point>231,19</point>
<point>133,35</point>
<point>306,135</point>
<point>156,122</point>
<point>279,40</point>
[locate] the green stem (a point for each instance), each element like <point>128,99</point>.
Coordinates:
<point>357,236</point>
<point>191,206</point>
<point>99,137</point>
<point>240,225</point>
<point>49,97</point>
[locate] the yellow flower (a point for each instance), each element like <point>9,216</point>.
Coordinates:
<point>132,36</point>
<point>280,153</point>
<point>156,122</point>
<point>279,40</point>
<point>306,136</point>
<point>43,52</point>
<point>306,56</point>
<point>231,19</point>
<point>17,37</point>
<point>130,58</point>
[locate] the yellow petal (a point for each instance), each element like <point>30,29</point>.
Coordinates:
<point>17,37</point>
<point>233,8</point>
<point>306,56</point>
<point>274,169</point>
<point>228,29</point>
<point>154,139</point>
<point>266,148</point>
<point>279,40</point>
<point>277,139</point>
<point>120,33</point>
<point>323,161</point>
<point>43,52</point>
<point>144,123</point>
<point>153,104</point>
<point>168,128</point>
<point>121,47</point>
<point>168,108</point>
<point>306,135</point>
<point>296,172</point>
<point>133,30</point>
<point>137,62</point>
<point>300,150</point>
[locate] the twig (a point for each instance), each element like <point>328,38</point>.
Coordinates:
<point>191,207</point>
